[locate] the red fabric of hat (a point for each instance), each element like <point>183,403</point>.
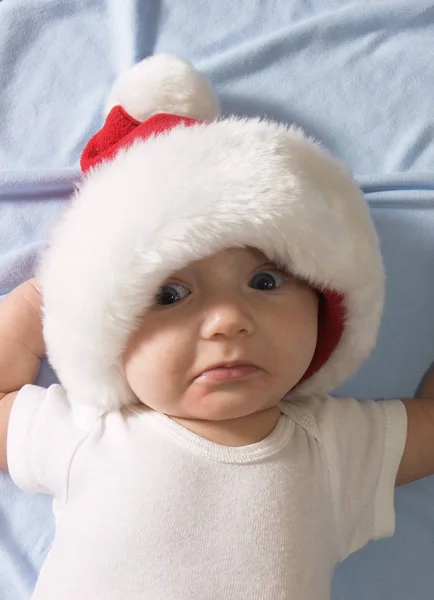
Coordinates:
<point>121,130</point>
<point>331,324</point>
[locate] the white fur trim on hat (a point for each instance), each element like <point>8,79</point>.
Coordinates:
<point>164,84</point>
<point>184,195</point>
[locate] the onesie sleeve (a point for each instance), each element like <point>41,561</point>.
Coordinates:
<point>363,442</point>
<point>42,439</point>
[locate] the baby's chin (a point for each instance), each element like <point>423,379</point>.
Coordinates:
<point>223,405</point>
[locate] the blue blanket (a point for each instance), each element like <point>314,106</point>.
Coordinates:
<point>359,76</point>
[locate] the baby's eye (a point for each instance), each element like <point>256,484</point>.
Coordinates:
<point>171,293</point>
<point>268,280</point>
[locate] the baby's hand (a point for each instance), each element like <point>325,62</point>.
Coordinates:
<point>426,386</point>
<point>21,341</point>
<point>21,349</point>
<point>418,457</point>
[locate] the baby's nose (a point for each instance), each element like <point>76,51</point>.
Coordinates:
<point>227,319</point>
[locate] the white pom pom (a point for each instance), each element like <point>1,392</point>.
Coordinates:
<point>164,84</point>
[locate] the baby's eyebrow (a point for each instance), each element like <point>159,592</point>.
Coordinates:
<point>254,259</point>
<point>256,253</point>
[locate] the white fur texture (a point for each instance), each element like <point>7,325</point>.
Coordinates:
<point>164,84</point>
<point>187,194</point>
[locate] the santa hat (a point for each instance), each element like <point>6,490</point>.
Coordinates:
<point>166,183</point>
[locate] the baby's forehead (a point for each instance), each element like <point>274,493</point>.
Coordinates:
<point>244,256</point>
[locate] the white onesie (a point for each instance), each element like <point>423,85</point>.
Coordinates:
<point>149,510</point>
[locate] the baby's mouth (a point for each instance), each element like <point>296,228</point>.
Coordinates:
<point>228,372</point>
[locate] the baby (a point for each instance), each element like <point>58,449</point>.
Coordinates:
<point>208,286</point>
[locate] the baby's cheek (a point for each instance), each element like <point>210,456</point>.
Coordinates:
<point>159,367</point>
<point>157,385</point>
<point>139,374</point>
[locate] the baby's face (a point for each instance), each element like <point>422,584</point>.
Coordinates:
<point>235,306</point>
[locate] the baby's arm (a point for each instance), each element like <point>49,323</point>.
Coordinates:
<point>21,350</point>
<point>418,457</point>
